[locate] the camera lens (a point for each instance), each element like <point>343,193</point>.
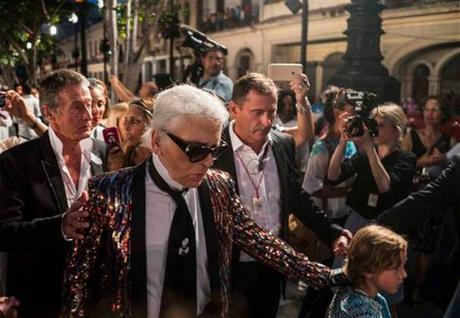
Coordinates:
<point>354,126</point>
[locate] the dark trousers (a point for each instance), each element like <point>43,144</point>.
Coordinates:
<point>256,291</point>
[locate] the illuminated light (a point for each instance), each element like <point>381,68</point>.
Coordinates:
<point>53,30</point>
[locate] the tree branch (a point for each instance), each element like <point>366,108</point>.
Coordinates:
<point>153,28</point>
<point>45,12</point>
<point>17,47</point>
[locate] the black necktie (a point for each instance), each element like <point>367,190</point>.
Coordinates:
<point>179,287</point>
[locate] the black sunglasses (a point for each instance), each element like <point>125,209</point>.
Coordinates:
<point>197,152</point>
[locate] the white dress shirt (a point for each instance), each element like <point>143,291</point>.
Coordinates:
<point>268,214</point>
<point>72,193</point>
<point>159,209</point>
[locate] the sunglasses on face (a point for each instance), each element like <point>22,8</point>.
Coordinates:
<point>197,152</point>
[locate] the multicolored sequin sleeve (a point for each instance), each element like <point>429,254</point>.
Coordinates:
<point>98,266</point>
<point>261,245</point>
<point>81,261</point>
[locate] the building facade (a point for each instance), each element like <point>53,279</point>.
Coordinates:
<point>420,46</point>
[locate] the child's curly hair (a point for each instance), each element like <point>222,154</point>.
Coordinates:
<point>373,249</point>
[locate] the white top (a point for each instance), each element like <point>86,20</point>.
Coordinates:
<point>267,213</point>
<point>71,192</point>
<point>160,208</point>
<point>5,123</point>
<point>97,132</point>
<point>24,130</point>
<point>316,174</point>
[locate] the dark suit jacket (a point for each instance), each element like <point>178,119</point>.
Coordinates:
<point>293,198</point>
<point>438,196</point>
<point>106,273</point>
<point>32,201</point>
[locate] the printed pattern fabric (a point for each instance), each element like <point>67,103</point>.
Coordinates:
<point>349,303</point>
<point>109,237</point>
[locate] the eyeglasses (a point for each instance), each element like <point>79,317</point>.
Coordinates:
<point>197,152</point>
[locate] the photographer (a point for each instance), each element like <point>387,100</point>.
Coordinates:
<point>213,78</point>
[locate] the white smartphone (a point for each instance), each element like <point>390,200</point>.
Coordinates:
<point>283,72</point>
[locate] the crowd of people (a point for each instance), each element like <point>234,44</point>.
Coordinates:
<point>180,202</point>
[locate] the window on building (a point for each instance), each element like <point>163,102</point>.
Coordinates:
<point>420,85</point>
<point>290,53</point>
<point>244,61</point>
<point>450,76</point>
<point>330,64</point>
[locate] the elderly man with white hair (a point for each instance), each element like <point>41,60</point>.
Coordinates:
<point>161,234</point>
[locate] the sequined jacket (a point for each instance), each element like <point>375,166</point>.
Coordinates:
<point>349,303</point>
<point>106,272</point>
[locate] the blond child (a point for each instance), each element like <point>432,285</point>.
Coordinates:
<point>375,263</point>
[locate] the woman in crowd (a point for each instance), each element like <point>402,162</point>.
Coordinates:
<point>330,198</point>
<point>383,171</point>
<point>99,106</point>
<point>116,118</point>
<point>286,112</point>
<point>429,145</point>
<point>135,123</point>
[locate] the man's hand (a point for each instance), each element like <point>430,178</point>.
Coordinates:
<point>16,106</point>
<point>341,244</point>
<point>115,158</point>
<point>8,307</point>
<point>75,219</point>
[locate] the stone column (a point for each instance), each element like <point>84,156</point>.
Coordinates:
<point>434,85</point>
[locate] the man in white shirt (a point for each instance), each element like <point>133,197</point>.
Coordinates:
<point>39,181</point>
<point>262,163</point>
<point>161,234</point>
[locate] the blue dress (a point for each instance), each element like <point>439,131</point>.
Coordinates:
<point>351,303</point>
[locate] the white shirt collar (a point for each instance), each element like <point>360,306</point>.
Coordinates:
<point>86,145</point>
<point>237,143</point>
<point>165,174</point>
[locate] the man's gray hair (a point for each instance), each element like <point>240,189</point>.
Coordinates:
<point>56,81</point>
<point>179,102</point>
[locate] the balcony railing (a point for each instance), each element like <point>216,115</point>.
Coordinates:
<point>230,19</point>
<point>390,4</point>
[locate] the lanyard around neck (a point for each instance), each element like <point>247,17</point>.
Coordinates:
<point>260,168</point>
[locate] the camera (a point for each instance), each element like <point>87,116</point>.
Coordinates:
<point>363,104</point>
<point>2,99</point>
<point>198,41</point>
<point>200,44</point>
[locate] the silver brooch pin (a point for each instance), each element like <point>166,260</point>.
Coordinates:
<point>184,249</point>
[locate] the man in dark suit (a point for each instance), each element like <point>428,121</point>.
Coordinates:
<point>438,196</point>
<point>39,181</point>
<point>161,234</point>
<point>262,162</point>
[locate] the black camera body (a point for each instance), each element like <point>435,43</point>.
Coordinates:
<point>199,42</point>
<point>363,103</point>
<point>2,99</point>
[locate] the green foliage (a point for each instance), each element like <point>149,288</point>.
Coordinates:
<point>27,21</point>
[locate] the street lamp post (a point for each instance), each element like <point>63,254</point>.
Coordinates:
<point>81,8</point>
<point>362,67</point>
<point>304,36</point>
<point>294,6</point>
